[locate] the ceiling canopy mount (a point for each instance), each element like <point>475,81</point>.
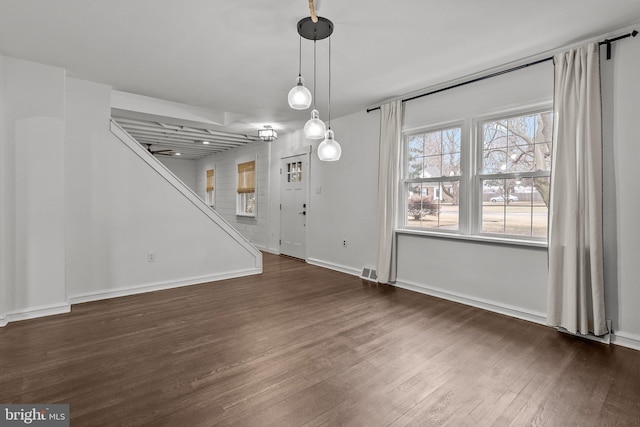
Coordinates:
<point>315,30</point>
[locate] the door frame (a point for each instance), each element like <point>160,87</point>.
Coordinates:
<point>307,188</point>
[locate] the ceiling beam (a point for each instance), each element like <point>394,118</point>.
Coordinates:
<point>186,135</point>
<point>178,139</point>
<point>175,128</point>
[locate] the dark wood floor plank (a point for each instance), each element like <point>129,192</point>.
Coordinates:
<point>302,345</point>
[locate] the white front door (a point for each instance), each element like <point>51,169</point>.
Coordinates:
<point>293,205</point>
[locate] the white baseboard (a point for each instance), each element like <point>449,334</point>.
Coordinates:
<point>626,339</point>
<point>49,310</point>
<point>336,267</point>
<point>494,306</point>
<point>34,312</point>
<point>140,289</point>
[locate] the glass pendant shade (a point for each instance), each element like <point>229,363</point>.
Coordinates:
<point>329,150</point>
<point>299,97</point>
<point>314,128</point>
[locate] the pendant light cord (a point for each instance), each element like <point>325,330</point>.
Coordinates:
<point>300,58</point>
<point>314,74</point>
<point>329,83</point>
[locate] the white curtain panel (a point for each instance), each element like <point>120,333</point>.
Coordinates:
<point>388,169</point>
<point>575,297</point>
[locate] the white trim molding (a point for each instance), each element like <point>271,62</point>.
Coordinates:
<point>626,339</point>
<point>494,306</point>
<point>62,308</point>
<point>335,267</point>
<point>35,312</point>
<point>158,286</point>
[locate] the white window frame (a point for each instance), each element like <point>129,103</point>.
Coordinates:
<point>405,181</point>
<point>470,207</point>
<point>210,196</point>
<point>242,198</point>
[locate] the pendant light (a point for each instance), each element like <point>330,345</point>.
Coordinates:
<point>314,128</point>
<point>329,150</point>
<point>299,97</point>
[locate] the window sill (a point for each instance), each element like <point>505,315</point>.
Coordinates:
<point>485,239</point>
<point>246,216</point>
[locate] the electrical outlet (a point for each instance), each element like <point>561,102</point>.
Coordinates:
<point>344,243</point>
<point>151,256</point>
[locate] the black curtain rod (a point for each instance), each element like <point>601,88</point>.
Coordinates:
<point>519,67</point>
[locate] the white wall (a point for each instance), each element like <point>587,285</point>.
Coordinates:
<point>87,110</point>
<point>341,201</point>
<point>345,206</point>
<point>224,164</point>
<point>3,203</point>
<point>34,240</point>
<point>621,110</point>
<point>81,209</point>
<point>509,279</point>
<point>128,211</point>
<point>184,169</point>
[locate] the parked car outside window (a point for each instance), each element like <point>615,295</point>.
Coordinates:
<point>511,198</point>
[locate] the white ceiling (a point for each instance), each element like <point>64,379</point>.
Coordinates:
<point>242,56</point>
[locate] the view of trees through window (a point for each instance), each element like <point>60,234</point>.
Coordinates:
<point>433,167</point>
<point>516,156</point>
<point>511,178</point>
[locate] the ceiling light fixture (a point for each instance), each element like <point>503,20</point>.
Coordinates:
<point>268,134</point>
<point>178,154</point>
<point>299,97</point>
<point>314,128</point>
<point>329,150</point>
<point>205,143</point>
<point>318,29</point>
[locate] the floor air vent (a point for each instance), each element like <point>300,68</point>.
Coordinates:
<point>369,274</point>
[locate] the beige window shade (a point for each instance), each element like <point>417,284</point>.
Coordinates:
<point>247,177</point>
<point>210,179</point>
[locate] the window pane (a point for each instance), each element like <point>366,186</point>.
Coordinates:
<point>432,167</point>
<point>449,209</point>
<point>515,206</point>
<point>522,128</point>
<point>518,210</point>
<point>494,134</point>
<point>433,154</point>
<point>416,144</point>
<point>415,156</point>
<point>544,127</point>
<point>493,204</point>
<point>451,164</point>
<point>542,153</point>
<point>519,144</point>
<point>247,203</point>
<point>451,141</point>
<point>520,159</point>
<point>433,205</point>
<point>540,204</point>
<point>433,143</point>
<point>419,203</point>
<point>495,160</point>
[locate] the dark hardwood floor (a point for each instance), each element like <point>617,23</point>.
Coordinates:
<point>304,346</point>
